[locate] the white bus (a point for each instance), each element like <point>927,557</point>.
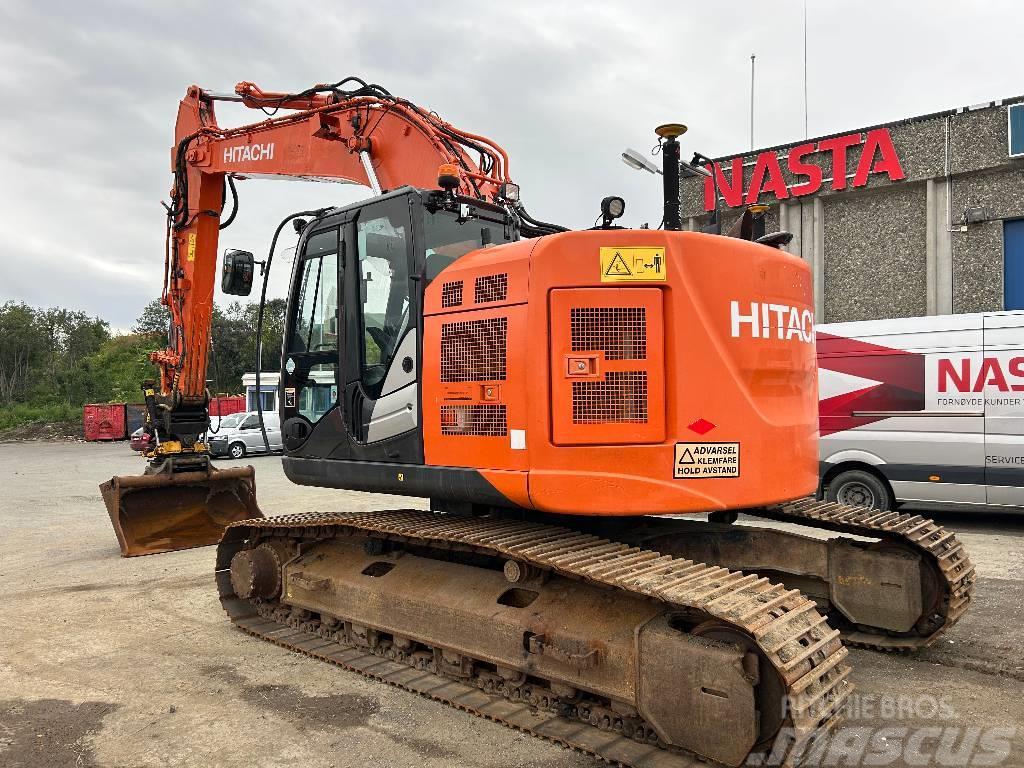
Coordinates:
<point>923,409</point>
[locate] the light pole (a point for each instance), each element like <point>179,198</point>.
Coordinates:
<point>668,135</point>
<point>752,57</point>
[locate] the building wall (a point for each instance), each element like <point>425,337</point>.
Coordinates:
<point>874,256</point>
<point>901,248</point>
<point>977,271</point>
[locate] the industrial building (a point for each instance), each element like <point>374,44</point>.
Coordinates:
<point>924,217</point>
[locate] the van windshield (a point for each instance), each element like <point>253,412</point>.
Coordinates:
<point>231,420</point>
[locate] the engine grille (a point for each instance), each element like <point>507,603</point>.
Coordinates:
<point>619,332</point>
<point>474,350</point>
<point>620,398</point>
<point>451,294</point>
<point>490,288</point>
<point>474,420</point>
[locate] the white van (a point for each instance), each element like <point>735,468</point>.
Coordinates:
<point>923,409</point>
<point>242,435</point>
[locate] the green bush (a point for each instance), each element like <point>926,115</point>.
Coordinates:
<point>17,415</point>
<point>53,360</point>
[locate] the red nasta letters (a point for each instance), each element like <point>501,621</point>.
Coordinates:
<point>877,156</point>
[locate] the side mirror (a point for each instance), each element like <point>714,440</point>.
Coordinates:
<point>236,276</point>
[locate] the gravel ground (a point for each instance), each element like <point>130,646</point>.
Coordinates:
<point>113,662</point>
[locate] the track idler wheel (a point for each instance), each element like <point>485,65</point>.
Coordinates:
<point>256,573</point>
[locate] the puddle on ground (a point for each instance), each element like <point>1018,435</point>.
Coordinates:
<point>335,710</point>
<point>48,733</point>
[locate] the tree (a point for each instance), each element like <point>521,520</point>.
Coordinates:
<point>22,345</point>
<point>55,358</point>
<point>154,320</point>
<point>273,330</point>
<point>71,338</point>
<point>115,372</point>
<point>234,342</point>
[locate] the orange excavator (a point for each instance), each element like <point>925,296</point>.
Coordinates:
<point>568,401</point>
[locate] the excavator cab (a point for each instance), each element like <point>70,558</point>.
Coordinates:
<point>352,353</point>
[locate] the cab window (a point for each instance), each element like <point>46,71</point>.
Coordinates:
<point>316,319</point>
<point>312,360</point>
<point>446,239</point>
<point>383,295</point>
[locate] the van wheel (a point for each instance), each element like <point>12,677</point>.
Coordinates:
<point>237,451</point>
<point>861,489</point>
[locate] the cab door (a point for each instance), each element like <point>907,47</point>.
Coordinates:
<point>382,311</point>
<point>311,363</point>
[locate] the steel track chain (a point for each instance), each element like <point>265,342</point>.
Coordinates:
<point>804,650</point>
<point>924,536</point>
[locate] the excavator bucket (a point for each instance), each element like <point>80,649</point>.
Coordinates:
<point>165,512</point>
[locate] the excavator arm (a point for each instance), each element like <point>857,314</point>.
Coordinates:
<point>362,135</point>
<point>370,138</point>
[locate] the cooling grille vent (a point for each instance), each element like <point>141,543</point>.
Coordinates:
<point>620,398</point>
<point>474,350</point>
<point>490,288</point>
<point>619,332</point>
<point>451,294</point>
<point>474,420</point>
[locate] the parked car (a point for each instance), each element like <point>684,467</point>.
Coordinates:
<point>923,409</point>
<point>217,423</point>
<point>239,437</point>
<point>139,440</point>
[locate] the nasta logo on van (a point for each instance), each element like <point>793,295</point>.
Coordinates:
<point>992,373</point>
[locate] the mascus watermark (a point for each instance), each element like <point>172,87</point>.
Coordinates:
<point>869,737</point>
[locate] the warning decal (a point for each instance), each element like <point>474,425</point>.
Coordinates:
<point>696,460</point>
<point>619,265</point>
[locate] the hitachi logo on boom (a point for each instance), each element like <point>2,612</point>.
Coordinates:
<point>248,153</point>
<point>772,321</point>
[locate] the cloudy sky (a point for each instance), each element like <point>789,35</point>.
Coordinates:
<point>91,91</point>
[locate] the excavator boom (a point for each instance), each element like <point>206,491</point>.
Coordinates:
<point>361,136</point>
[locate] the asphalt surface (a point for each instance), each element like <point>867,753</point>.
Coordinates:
<point>107,661</point>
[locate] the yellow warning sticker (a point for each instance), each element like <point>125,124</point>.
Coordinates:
<point>622,265</point>
<point>192,246</point>
<point>698,460</point>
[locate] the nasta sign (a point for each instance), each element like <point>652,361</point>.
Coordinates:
<point>878,156</point>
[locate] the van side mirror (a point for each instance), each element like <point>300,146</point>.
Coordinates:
<point>237,273</point>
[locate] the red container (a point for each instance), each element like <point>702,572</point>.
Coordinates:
<point>222,406</point>
<point>104,421</point>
